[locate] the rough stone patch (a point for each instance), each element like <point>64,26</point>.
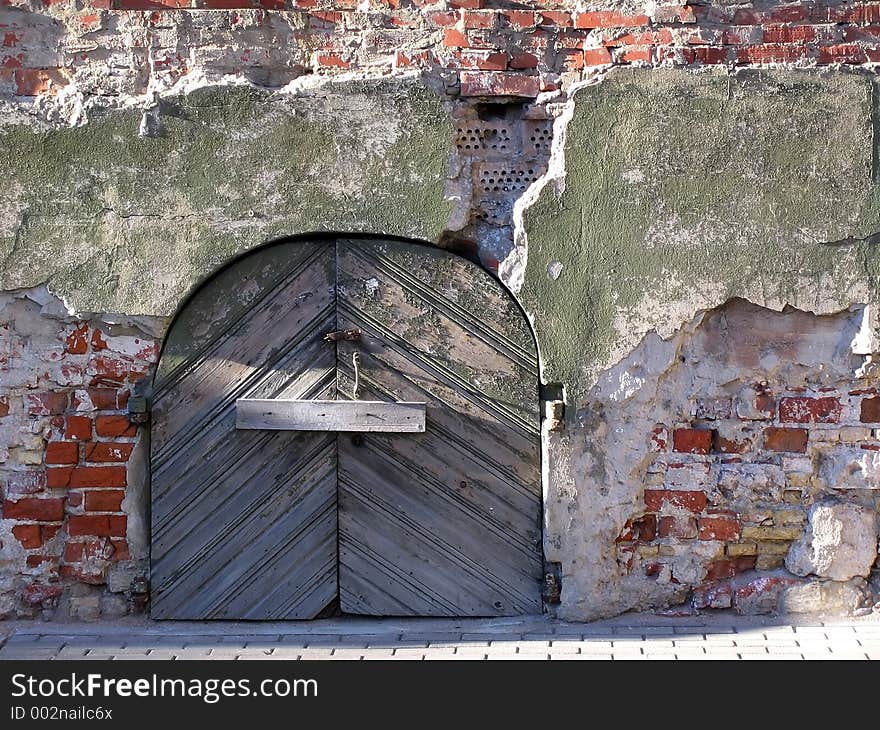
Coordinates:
<point>840,542</point>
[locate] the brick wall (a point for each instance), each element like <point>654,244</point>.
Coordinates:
<point>65,445</point>
<point>491,49</point>
<point>735,467</point>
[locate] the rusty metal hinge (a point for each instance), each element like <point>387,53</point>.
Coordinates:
<point>352,334</point>
<point>553,402</point>
<point>138,412</point>
<point>551,591</point>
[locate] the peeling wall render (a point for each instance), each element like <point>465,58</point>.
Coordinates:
<point>683,199</point>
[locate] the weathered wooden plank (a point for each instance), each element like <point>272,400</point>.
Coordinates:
<point>445,523</point>
<point>329,415</point>
<point>244,522</point>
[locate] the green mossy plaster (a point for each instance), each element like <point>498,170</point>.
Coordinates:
<point>118,222</point>
<point>684,190</point>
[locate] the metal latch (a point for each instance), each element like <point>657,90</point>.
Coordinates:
<point>352,334</point>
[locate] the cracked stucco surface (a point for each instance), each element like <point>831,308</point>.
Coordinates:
<point>683,190</point>
<point>680,192</point>
<point>114,221</point>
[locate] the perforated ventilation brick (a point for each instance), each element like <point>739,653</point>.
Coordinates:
<point>538,136</point>
<point>499,180</point>
<point>475,137</point>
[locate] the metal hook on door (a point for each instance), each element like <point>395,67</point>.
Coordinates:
<point>356,362</point>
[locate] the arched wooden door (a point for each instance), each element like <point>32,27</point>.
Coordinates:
<point>281,524</point>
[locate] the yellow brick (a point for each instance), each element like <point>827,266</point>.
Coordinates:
<point>771,533</point>
<point>792,496</point>
<point>773,548</point>
<point>737,549</point>
<point>652,480</point>
<point>798,479</point>
<point>666,551</point>
<point>789,517</point>
<point>648,551</point>
<point>769,562</point>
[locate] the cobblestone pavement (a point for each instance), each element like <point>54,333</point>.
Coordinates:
<point>634,636</point>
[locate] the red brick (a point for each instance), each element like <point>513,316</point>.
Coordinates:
<point>524,60</point>
<point>98,476</point>
<point>785,439</point>
<point>714,595</point>
<point>331,60</point>
<point>692,440</point>
<point>4,406</point>
<point>62,452</point>
<point>476,19</point>
<point>771,53</point>
<point>728,568</point>
<point>467,4</point>
<point>32,508</point>
<point>609,19</point>
<point>707,54</point>
<point>719,528</point>
<point>406,59</point>
<point>809,410</point>
<point>58,477</point>
<point>108,451</point>
<point>47,532</point>
<point>120,549</point>
<point>484,60</point>
<point>454,38</point>
<point>559,18</point>
<point>444,19</point>
<point>77,342</point>
<point>114,426</point>
<point>79,428</point>
<point>677,526</point>
<point>104,500</point>
<point>857,33</point>
<point>788,34</point>
<point>644,529</point>
<point>28,535</point>
<point>690,500</point>
<point>474,83</point>
<point>38,593</point>
<point>790,14</point>
<point>96,525</point>
<point>151,4</point>
<point>520,19</point>
<point>46,404</point>
<point>597,56</point>
<point>108,399</point>
<point>870,410</point>
<point>637,54</point>
<point>35,81</point>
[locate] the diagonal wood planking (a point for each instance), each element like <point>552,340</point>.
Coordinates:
<point>244,522</point>
<point>445,523</point>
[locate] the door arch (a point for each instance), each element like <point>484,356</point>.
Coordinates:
<point>279,524</point>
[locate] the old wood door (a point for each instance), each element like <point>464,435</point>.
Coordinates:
<point>287,524</point>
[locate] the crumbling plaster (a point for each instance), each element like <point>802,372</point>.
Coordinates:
<point>118,216</point>
<point>672,192</point>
